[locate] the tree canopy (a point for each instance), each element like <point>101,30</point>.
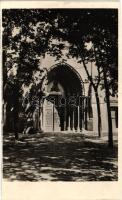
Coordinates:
<point>92,35</point>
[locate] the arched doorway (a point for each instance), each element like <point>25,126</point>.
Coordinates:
<point>63,108</point>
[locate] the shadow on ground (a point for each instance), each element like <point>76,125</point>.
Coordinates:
<point>59,157</point>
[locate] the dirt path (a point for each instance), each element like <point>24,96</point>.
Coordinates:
<point>59,157</point>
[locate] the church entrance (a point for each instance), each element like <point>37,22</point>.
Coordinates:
<point>64,108</point>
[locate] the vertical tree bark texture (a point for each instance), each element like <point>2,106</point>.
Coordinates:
<point>99,112</point>
<point>110,131</point>
<point>16,109</point>
<point>86,113</point>
<point>40,122</point>
<point>97,99</point>
<point>16,121</point>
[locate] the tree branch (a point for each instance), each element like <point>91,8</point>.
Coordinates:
<point>97,84</point>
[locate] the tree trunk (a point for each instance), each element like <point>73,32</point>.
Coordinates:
<point>98,112</point>
<point>110,132</point>
<point>40,122</point>
<point>97,98</point>
<point>16,110</point>
<point>16,121</point>
<point>86,104</point>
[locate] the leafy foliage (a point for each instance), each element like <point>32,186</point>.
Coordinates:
<point>29,34</point>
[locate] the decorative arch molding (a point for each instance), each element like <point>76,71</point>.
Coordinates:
<point>70,118</point>
<point>71,68</point>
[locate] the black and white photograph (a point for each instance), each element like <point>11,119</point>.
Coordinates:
<point>60,94</point>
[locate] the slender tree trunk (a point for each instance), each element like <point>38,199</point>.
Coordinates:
<point>40,122</point>
<point>16,110</point>
<point>110,132</point>
<point>86,103</point>
<point>98,112</point>
<point>16,120</point>
<point>97,99</point>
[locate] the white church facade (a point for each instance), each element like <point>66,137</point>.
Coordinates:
<point>70,103</point>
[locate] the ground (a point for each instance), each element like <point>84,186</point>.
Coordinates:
<point>59,157</point>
